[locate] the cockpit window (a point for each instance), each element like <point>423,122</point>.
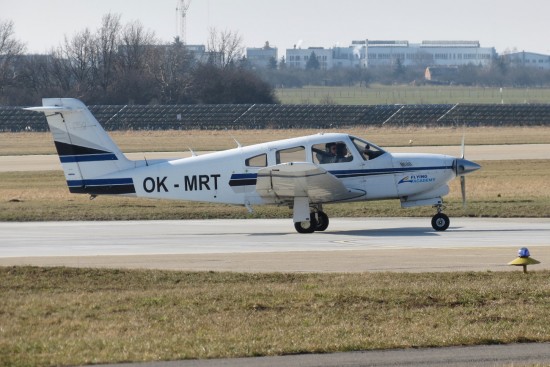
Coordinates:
<point>257,161</point>
<point>332,152</point>
<point>368,151</point>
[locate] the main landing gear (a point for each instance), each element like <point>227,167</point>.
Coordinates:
<point>440,221</point>
<point>318,222</point>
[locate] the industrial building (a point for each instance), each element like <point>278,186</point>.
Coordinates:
<point>529,59</point>
<point>261,57</point>
<point>373,53</point>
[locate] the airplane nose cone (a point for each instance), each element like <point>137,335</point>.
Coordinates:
<point>464,166</point>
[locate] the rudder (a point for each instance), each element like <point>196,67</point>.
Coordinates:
<point>87,154</point>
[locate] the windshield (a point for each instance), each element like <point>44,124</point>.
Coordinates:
<point>368,151</point>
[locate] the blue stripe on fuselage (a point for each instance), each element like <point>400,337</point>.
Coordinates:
<point>101,182</point>
<point>88,158</point>
<point>246,179</point>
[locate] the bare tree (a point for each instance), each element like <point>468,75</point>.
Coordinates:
<point>137,46</point>
<point>172,73</point>
<point>73,66</point>
<point>225,47</point>
<point>10,49</point>
<point>106,50</point>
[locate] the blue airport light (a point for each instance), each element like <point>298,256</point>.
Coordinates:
<point>524,252</point>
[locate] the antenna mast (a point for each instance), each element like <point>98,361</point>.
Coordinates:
<point>181,13</point>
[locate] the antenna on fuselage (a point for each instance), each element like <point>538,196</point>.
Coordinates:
<point>238,144</point>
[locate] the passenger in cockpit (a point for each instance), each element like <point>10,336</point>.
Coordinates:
<point>342,154</point>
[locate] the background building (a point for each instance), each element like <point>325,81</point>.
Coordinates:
<point>373,53</point>
<point>428,53</point>
<point>529,59</point>
<point>298,57</point>
<point>263,57</point>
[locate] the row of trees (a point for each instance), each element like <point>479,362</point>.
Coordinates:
<point>124,64</point>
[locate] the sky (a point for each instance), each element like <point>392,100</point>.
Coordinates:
<point>504,24</point>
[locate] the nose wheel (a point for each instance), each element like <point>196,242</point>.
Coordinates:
<point>440,221</point>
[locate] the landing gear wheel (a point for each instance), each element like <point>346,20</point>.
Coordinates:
<point>306,226</point>
<point>322,222</point>
<point>440,222</point>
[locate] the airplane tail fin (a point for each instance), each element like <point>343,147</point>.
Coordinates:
<point>90,159</point>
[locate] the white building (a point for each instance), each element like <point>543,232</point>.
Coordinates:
<point>372,53</point>
<point>428,53</point>
<point>261,57</point>
<point>298,57</point>
<point>351,56</point>
<point>529,59</point>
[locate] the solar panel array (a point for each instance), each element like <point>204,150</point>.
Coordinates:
<point>257,116</point>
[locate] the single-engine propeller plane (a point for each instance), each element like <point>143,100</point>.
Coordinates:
<point>303,173</point>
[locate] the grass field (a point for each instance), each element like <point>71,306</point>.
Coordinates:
<point>175,141</point>
<point>500,189</point>
<point>62,316</point>
<point>410,94</point>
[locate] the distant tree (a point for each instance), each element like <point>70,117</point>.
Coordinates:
<point>212,84</point>
<point>172,68</point>
<point>399,69</point>
<point>74,63</point>
<point>282,63</point>
<point>312,62</point>
<point>225,44</point>
<point>244,63</point>
<point>106,44</point>
<point>10,50</point>
<point>272,64</point>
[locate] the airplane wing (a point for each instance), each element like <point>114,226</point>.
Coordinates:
<point>284,182</point>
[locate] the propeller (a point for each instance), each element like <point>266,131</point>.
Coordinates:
<point>462,178</point>
<point>462,168</point>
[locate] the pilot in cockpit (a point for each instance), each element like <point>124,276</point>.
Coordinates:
<point>328,155</point>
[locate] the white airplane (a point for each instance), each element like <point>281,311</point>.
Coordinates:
<point>303,173</point>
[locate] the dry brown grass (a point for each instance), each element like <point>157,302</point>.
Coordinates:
<point>172,141</point>
<point>61,316</point>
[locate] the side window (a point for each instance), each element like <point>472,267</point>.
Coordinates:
<point>257,161</point>
<point>296,154</point>
<point>332,152</point>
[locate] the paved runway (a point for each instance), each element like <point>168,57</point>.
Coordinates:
<point>350,244</point>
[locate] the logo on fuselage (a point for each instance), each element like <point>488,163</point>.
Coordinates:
<point>416,179</point>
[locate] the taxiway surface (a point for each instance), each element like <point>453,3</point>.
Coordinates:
<point>349,245</point>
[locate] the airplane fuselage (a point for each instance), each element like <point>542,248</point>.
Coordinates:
<point>225,177</point>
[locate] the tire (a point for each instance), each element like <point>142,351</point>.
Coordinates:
<point>306,226</point>
<point>322,222</point>
<point>440,222</point>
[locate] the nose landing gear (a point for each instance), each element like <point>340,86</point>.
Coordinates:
<point>440,221</point>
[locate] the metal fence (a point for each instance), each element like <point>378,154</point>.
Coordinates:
<point>257,116</point>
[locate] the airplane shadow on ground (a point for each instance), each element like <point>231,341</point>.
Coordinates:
<point>387,232</point>
<point>400,232</point>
